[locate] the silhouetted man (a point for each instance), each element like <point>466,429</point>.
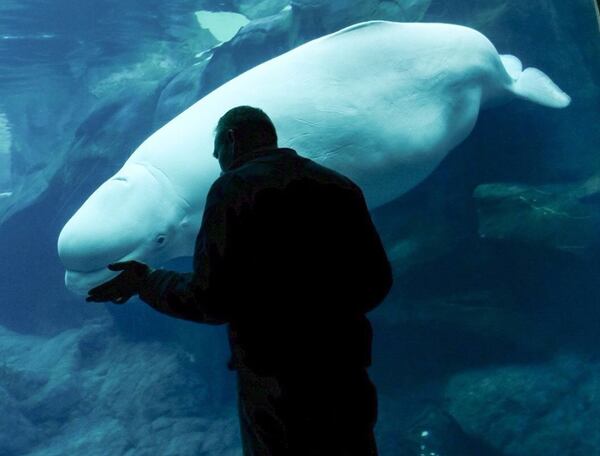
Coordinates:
<point>288,256</point>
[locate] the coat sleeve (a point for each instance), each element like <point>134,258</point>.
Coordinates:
<point>202,295</point>
<point>372,278</point>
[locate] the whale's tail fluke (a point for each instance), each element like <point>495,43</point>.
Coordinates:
<point>533,85</point>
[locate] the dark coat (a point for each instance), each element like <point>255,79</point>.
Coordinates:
<point>288,256</point>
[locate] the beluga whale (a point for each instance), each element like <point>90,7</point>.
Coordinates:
<point>381,102</point>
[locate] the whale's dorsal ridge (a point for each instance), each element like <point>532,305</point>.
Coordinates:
<point>360,25</point>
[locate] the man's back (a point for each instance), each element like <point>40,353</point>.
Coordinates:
<point>304,263</point>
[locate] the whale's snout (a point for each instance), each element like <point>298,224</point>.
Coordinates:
<point>86,252</point>
<point>81,282</point>
<point>104,230</point>
<point>89,249</point>
<point>132,216</point>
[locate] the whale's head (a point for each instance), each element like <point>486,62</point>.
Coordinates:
<point>135,215</point>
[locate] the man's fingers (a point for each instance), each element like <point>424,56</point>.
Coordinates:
<point>117,289</point>
<point>106,298</point>
<point>99,298</point>
<point>121,265</point>
<point>121,300</point>
<point>103,289</point>
<point>114,283</point>
<point>110,288</point>
<point>93,298</point>
<point>105,295</point>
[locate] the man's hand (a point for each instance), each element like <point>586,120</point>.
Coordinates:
<point>119,289</point>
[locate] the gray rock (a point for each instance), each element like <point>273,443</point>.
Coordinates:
<point>319,17</point>
<point>117,125</point>
<point>521,410</point>
<point>97,394</point>
<point>435,432</point>
<point>557,217</point>
<point>444,279</point>
<point>93,436</point>
<point>55,402</point>
<point>17,433</point>
<point>182,91</point>
<point>257,42</point>
<point>254,9</point>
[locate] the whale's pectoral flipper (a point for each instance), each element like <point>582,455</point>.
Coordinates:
<point>534,85</point>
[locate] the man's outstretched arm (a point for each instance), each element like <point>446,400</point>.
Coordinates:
<point>181,295</point>
<point>200,296</point>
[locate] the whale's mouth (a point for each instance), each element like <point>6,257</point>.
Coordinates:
<point>81,282</point>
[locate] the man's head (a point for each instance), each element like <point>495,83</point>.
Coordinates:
<point>240,131</point>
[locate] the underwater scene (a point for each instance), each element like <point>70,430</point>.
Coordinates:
<point>472,127</point>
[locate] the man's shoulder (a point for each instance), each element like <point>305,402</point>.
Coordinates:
<point>227,180</point>
<point>279,170</point>
<point>329,175</point>
<point>227,188</point>
<point>298,167</point>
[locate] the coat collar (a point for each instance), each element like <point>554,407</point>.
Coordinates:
<point>260,152</point>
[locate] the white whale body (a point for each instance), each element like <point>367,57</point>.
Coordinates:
<point>382,102</point>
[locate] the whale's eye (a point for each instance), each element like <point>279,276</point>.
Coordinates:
<point>161,239</point>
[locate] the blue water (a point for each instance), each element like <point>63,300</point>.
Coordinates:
<point>487,343</point>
